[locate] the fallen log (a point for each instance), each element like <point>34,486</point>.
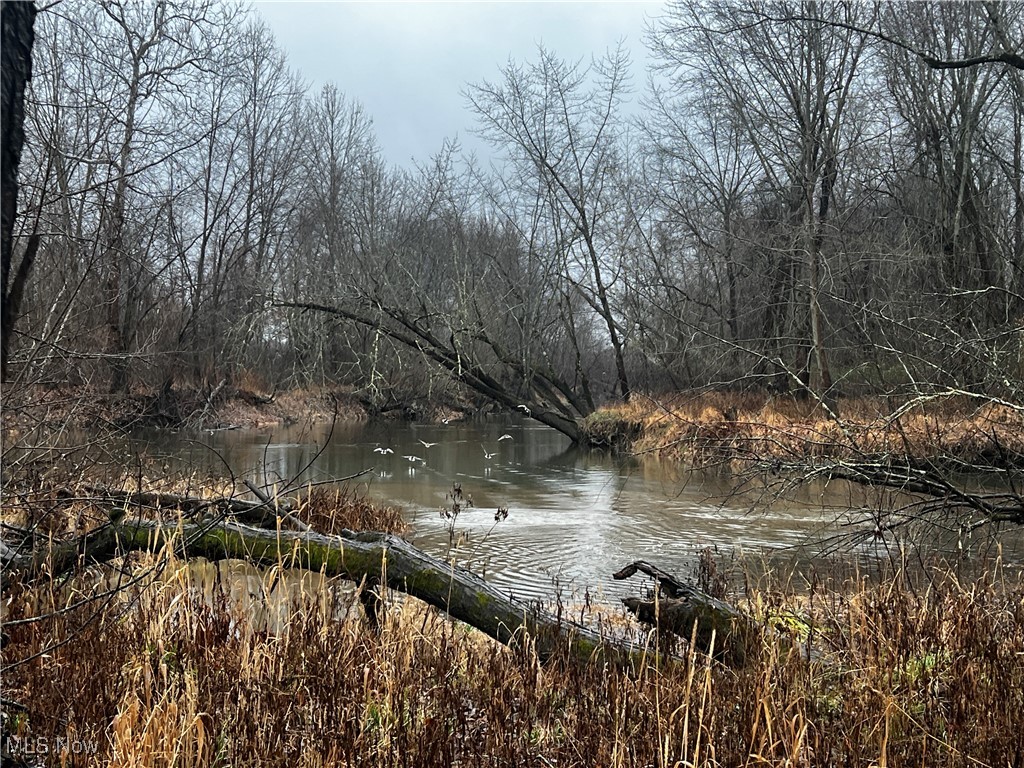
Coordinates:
<point>261,513</point>
<point>365,558</point>
<point>711,624</point>
<point>264,513</point>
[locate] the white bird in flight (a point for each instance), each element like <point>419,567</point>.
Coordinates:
<point>506,436</point>
<point>524,408</point>
<point>427,445</point>
<point>487,454</point>
<point>382,451</point>
<point>414,458</point>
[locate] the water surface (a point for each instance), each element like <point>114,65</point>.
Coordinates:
<point>574,516</point>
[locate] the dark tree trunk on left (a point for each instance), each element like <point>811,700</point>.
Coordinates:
<point>18,19</point>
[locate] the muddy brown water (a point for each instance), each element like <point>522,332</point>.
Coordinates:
<point>574,516</point>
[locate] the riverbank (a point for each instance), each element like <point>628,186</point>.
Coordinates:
<point>223,406</point>
<point>161,662</point>
<point>697,429</point>
<point>719,428</point>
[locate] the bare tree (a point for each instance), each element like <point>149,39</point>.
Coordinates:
<point>787,89</point>
<point>886,189</point>
<point>559,122</point>
<point>156,48</point>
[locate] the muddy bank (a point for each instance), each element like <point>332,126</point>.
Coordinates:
<point>696,429</point>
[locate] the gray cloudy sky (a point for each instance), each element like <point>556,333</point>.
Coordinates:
<point>408,62</point>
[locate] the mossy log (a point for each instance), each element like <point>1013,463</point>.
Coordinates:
<point>371,559</point>
<point>712,624</point>
<point>365,558</point>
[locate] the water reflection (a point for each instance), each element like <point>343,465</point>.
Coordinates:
<point>575,516</point>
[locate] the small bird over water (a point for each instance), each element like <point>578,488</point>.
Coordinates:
<point>382,451</point>
<point>414,458</point>
<point>487,454</point>
<point>427,445</point>
<point>506,436</point>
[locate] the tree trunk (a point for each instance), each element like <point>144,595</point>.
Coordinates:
<point>17,21</point>
<point>462,366</point>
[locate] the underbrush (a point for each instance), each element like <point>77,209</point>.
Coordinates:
<point>204,664</point>
<point>32,412</point>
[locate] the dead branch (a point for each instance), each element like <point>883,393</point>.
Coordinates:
<point>686,611</point>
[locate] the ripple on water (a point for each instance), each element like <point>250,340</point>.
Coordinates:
<point>575,516</point>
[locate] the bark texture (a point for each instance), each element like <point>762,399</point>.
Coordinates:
<point>17,20</point>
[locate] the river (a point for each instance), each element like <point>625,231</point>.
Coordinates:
<point>574,516</point>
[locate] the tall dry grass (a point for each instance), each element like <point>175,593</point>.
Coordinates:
<point>213,665</point>
<point>711,427</point>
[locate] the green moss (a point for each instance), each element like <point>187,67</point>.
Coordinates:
<point>483,601</point>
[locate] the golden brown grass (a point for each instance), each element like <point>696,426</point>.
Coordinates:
<point>225,665</point>
<point>73,507</point>
<point>709,427</point>
<point>333,508</point>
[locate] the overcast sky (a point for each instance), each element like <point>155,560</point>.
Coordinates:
<point>407,63</point>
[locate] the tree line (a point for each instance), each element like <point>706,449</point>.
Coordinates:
<point>812,197</point>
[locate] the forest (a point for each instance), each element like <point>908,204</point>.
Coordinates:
<point>790,252</point>
<point>823,199</point>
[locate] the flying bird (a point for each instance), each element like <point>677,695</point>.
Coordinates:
<point>382,451</point>
<point>506,436</point>
<point>487,454</point>
<point>524,408</point>
<point>427,445</point>
<point>414,458</point>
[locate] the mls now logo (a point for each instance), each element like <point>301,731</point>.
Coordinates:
<point>24,746</point>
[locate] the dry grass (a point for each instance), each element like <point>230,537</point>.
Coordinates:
<point>223,665</point>
<point>711,427</point>
<point>332,508</point>
<point>247,408</point>
<point>69,509</point>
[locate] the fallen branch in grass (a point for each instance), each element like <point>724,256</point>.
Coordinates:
<point>712,624</point>
<point>255,531</point>
<point>942,493</point>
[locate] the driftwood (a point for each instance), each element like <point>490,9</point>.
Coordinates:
<point>261,513</point>
<point>692,614</point>
<point>366,558</point>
